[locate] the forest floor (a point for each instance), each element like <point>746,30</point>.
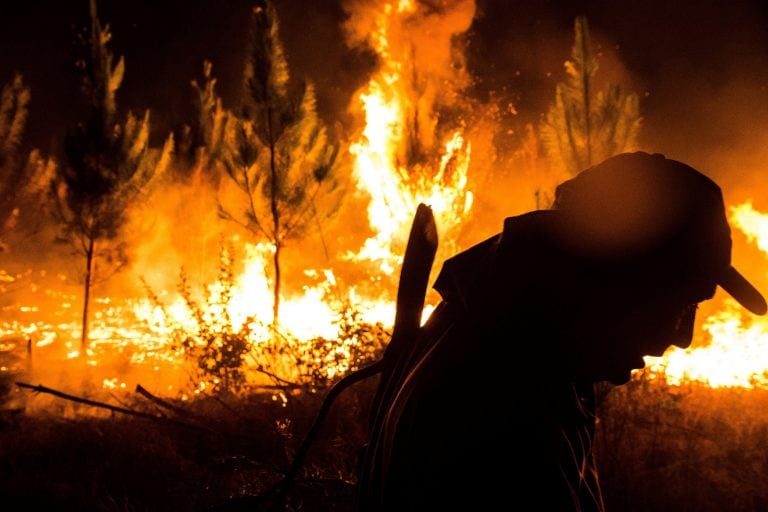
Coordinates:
<point>659,448</point>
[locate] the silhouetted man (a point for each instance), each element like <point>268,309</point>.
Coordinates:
<point>491,405</point>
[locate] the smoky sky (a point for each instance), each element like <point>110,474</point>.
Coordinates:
<point>701,68</point>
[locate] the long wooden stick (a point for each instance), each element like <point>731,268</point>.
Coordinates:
<point>103,405</point>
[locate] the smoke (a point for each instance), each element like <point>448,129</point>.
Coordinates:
<point>422,32</point>
<point>177,229</point>
<point>419,43</point>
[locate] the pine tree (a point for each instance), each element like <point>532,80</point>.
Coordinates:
<point>107,164</point>
<point>20,179</point>
<point>13,175</point>
<point>209,132</point>
<point>14,103</point>
<point>582,127</point>
<point>279,156</point>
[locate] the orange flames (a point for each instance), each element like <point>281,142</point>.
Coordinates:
<point>736,351</point>
<point>130,339</point>
<point>391,101</point>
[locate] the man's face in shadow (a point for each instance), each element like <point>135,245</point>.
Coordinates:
<point>628,332</point>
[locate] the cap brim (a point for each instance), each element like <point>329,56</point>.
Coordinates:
<point>743,291</point>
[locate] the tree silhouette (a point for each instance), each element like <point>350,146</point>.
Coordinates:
<point>20,178</point>
<point>13,117</point>
<point>208,134</point>
<point>278,155</point>
<point>107,164</point>
<point>13,175</point>
<point>582,126</point>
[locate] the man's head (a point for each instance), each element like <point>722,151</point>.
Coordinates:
<point>656,230</point>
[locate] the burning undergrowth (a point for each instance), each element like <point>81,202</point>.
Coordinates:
<point>195,310</point>
<point>187,333</point>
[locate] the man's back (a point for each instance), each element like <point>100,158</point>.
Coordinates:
<point>473,415</point>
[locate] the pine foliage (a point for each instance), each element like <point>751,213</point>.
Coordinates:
<point>14,176</point>
<point>266,98</point>
<point>281,199</point>
<point>108,164</point>
<point>212,119</point>
<point>584,126</point>
<point>14,103</point>
<point>22,180</point>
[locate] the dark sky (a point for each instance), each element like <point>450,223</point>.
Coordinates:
<point>164,44</point>
<point>700,67</point>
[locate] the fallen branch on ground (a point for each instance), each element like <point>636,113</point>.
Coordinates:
<point>122,410</point>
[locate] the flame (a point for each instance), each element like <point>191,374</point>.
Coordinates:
<point>390,102</point>
<point>404,155</point>
<point>753,223</point>
<point>735,353</point>
<point>132,340</point>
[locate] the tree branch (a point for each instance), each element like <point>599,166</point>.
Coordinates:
<point>95,403</point>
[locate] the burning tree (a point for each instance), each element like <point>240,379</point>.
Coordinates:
<point>412,148</point>
<point>278,155</point>
<point>107,164</point>
<point>583,127</point>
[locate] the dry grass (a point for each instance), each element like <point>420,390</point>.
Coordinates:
<point>69,459</point>
<point>660,448</point>
<point>695,448</point>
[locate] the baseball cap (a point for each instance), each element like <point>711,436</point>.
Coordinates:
<point>639,206</point>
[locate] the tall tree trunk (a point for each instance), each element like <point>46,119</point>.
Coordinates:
<point>89,253</point>
<point>276,299</point>
<point>277,239</point>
